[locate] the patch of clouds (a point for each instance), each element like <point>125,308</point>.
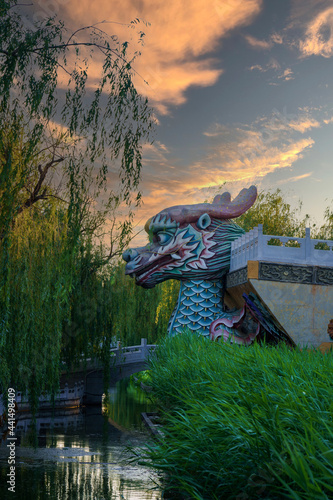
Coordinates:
<point>287,74</point>
<point>271,65</point>
<point>235,156</point>
<point>277,38</point>
<point>311,27</point>
<point>178,42</point>
<point>237,153</point>
<point>328,120</point>
<point>302,124</point>
<point>318,39</point>
<point>253,154</point>
<point>274,65</point>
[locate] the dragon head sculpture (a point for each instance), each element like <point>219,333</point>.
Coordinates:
<point>189,242</point>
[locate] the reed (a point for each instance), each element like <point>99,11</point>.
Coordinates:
<point>243,423</point>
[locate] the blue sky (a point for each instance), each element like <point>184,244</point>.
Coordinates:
<point>242,92</point>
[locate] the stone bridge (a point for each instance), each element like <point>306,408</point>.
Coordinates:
<point>124,362</point>
<point>293,279</point>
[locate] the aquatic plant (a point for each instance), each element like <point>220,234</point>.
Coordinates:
<point>243,423</point>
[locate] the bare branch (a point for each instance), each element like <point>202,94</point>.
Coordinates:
<point>35,196</point>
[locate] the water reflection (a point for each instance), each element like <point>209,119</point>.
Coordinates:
<point>85,456</point>
<point>125,405</point>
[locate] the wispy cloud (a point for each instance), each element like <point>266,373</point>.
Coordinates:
<point>256,43</point>
<point>277,38</point>
<point>296,178</point>
<point>238,154</point>
<point>271,65</point>
<point>274,65</point>
<point>253,155</point>
<point>262,44</point>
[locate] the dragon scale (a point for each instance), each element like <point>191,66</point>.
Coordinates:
<point>199,304</point>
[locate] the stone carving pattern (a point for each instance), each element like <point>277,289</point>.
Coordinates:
<point>282,272</point>
<point>324,276</point>
<point>237,277</point>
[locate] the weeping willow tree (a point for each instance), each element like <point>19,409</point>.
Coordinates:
<point>61,136</point>
<point>109,307</point>
<point>40,277</point>
<point>142,313</point>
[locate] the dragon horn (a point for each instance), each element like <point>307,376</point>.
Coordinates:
<point>221,208</point>
<point>223,205</point>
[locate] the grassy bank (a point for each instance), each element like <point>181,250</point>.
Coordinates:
<point>243,423</point>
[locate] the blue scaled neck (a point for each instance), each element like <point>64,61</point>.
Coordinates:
<point>199,303</point>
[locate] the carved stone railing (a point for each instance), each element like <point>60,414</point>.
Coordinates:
<point>120,356</point>
<point>133,354</point>
<point>254,245</point>
<point>123,355</point>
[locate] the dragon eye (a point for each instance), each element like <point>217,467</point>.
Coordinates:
<point>163,238</point>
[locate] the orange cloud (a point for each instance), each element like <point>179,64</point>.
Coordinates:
<point>295,178</point>
<point>239,155</point>
<point>233,154</point>
<point>178,41</point>
<point>304,123</point>
<point>258,44</point>
<point>273,64</point>
<point>238,163</point>
<point>252,157</point>
<point>319,35</point>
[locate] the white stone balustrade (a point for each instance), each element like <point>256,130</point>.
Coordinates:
<point>254,246</point>
<point>67,395</point>
<point>133,354</point>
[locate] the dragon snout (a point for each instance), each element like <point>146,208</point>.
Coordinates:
<point>132,257</point>
<point>130,254</point>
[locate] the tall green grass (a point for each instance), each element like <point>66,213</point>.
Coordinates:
<point>243,423</point>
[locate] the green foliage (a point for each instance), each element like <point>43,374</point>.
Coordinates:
<point>138,311</point>
<point>34,301</point>
<point>325,231</point>
<point>243,422</point>
<point>107,307</point>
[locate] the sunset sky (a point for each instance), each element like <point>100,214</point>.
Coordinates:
<point>242,91</point>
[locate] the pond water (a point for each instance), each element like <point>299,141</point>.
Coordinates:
<point>83,454</point>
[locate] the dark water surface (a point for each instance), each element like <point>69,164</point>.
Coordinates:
<point>83,454</point>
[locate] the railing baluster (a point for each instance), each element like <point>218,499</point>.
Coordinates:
<point>253,246</point>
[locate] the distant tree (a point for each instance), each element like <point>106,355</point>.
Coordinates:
<point>276,215</point>
<point>325,231</point>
